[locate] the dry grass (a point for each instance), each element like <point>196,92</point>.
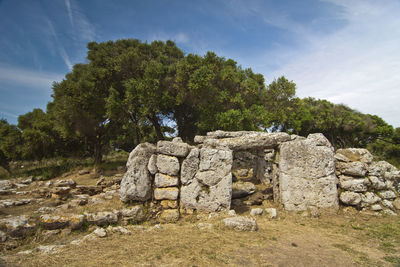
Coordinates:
<point>288,241</point>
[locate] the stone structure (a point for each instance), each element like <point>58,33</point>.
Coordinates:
<point>366,184</point>
<point>234,169</point>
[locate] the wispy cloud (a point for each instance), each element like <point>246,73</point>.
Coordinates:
<point>32,78</point>
<point>356,65</point>
<point>8,114</point>
<point>69,11</point>
<point>58,45</point>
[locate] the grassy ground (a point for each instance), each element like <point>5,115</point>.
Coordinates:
<point>291,240</point>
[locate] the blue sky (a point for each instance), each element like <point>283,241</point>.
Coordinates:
<point>345,51</point>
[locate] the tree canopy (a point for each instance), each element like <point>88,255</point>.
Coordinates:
<point>130,92</point>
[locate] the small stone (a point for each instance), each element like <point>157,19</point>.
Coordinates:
<point>177,140</point>
<point>62,183</point>
<point>76,221</point>
<point>389,212</point>
<point>376,207</point>
<point>232,213</point>
<point>387,203</point>
<point>3,236</point>
<point>387,194</point>
<point>25,252</point>
<point>100,232</point>
<point>166,193</point>
<point>396,204</point>
<point>152,165</point>
<point>163,180</point>
<point>240,189</point>
<point>102,218</point>
<point>256,212</point>
<point>271,213</point>
<point>205,226</point>
<point>169,204</point>
<point>241,223</point>
<point>350,198</point>
<point>50,249</point>
<point>170,215</point>
<point>53,221</point>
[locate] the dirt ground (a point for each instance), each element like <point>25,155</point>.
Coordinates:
<point>348,238</point>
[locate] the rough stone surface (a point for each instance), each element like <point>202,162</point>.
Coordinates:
<point>271,213</point>
<point>240,190</point>
<point>164,180</point>
<point>370,198</point>
<point>136,184</point>
<point>52,222</point>
<point>396,204</point>
<point>350,198</point>
<point>18,226</point>
<point>135,214</point>
<point>354,185</point>
<point>387,194</point>
<point>376,207</point>
<point>241,223</point>
<point>62,183</point>
<point>211,187</point>
<point>355,168</point>
<point>177,149</point>
<point>377,183</point>
<point>250,140</point>
<point>166,193</point>
<point>168,165</point>
<point>256,212</point>
<point>190,166</point>
<point>102,218</point>
<point>307,175</point>
<point>100,232</point>
<point>76,221</point>
<point>152,165</point>
<point>354,154</point>
<point>169,215</point>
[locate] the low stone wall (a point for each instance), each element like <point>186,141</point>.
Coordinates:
<point>232,169</point>
<point>366,184</point>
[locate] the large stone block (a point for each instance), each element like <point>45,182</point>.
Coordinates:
<point>170,193</point>
<point>307,175</point>
<point>190,166</point>
<point>168,165</point>
<point>163,180</point>
<point>136,184</point>
<point>177,149</point>
<point>211,187</point>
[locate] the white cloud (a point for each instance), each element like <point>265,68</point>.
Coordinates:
<point>26,77</point>
<point>69,11</point>
<point>357,65</point>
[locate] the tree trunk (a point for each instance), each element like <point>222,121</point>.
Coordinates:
<point>154,120</point>
<point>98,153</point>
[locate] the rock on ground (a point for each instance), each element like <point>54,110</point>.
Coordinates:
<point>241,223</point>
<point>136,184</point>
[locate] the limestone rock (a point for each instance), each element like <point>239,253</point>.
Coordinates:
<point>166,193</point>
<point>355,154</point>
<point>152,165</point>
<point>396,204</point>
<point>370,198</point>
<point>164,180</point>
<point>241,223</point>
<point>350,198</point>
<point>135,214</point>
<point>118,229</point>
<point>232,213</point>
<point>250,140</point>
<point>376,207</point>
<point>3,237</point>
<point>50,249</point>
<point>240,190</point>
<point>177,140</point>
<point>190,166</point>
<point>356,168</point>
<point>377,183</point>
<point>61,183</point>
<point>170,215</point>
<point>136,184</point>
<point>102,218</point>
<point>168,165</point>
<point>387,194</point>
<point>100,232</point>
<point>380,168</point>
<point>256,212</point>
<point>388,204</point>
<point>319,140</point>
<point>18,226</point>
<point>307,175</point>
<point>271,213</point>
<point>5,185</point>
<point>204,226</point>
<point>169,204</point>
<point>177,149</point>
<point>53,222</point>
<point>76,221</point>
<point>354,185</point>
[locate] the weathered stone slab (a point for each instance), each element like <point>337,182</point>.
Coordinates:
<point>136,184</point>
<point>170,193</point>
<point>250,141</point>
<point>240,190</point>
<point>241,223</point>
<point>18,226</point>
<point>164,180</point>
<point>190,166</point>
<point>177,149</point>
<point>307,175</point>
<point>354,154</point>
<point>355,168</point>
<point>169,215</point>
<point>350,198</point>
<point>168,165</point>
